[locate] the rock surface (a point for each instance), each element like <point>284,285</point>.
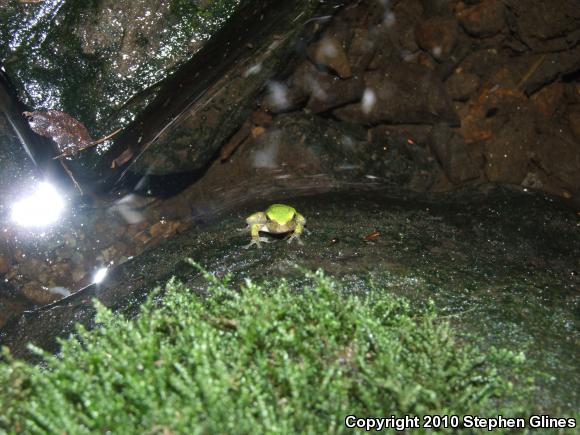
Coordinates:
<point>484,19</point>
<point>472,65</point>
<point>501,263</point>
<point>500,103</point>
<point>545,26</point>
<point>202,114</point>
<point>403,94</point>
<point>94,59</point>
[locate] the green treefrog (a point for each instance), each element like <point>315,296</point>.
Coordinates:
<point>277,219</point>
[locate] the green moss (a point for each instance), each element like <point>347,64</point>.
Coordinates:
<point>263,359</point>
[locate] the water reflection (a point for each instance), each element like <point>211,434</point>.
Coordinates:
<point>100,275</point>
<point>41,208</point>
<point>94,62</point>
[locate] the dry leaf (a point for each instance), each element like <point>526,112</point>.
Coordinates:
<point>236,140</point>
<point>123,158</point>
<point>69,134</point>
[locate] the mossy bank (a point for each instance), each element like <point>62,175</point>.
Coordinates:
<point>266,358</point>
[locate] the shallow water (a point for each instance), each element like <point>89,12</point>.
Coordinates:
<point>500,264</point>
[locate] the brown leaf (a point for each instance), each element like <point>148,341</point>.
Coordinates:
<point>372,236</point>
<point>236,140</point>
<point>69,134</point>
<point>123,158</point>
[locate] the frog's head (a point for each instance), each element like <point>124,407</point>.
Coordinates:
<point>280,214</point>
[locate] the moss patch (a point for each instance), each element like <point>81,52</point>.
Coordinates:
<point>265,358</point>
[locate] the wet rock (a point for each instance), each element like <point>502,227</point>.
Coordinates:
<point>407,15</point>
<point>487,110</point>
<point>483,20</point>
<point>62,271</point>
<point>329,53</point>
<point>381,42</point>
<point>352,23</point>
<point>4,264</point>
<point>573,92</point>
<point>322,91</point>
<point>484,62</point>
<point>490,90</point>
<point>20,256</point>
<point>303,151</point>
<point>333,148</point>
<point>189,134</point>
<point>134,229</point>
<point>342,27</point>
<point>94,60</point>
<point>297,90</point>
<point>542,69</point>
<point>574,122</point>
<point>387,52</point>
<point>32,267</point>
<point>436,8</point>
<point>545,26</point>
<point>418,134</point>
<point>533,180</point>
<point>404,93</point>
<point>35,292</point>
<point>391,40</point>
<point>557,152</point>
<point>509,149</point>
<point>549,99</point>
<point>401,153</point>
<point>78,274</point>
<point>11,303</point>
<point>524,242</point>
<point>107,254</point>
<point>452,152</point>
<point>362,49</point>
<point>70,240</point>
<point>437,36</point>
<point>461,85</point>
<point>119,230</point>
<point>332,92</point>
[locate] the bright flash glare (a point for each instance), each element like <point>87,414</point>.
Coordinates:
<point>40,209</point>
<point>100,275</point>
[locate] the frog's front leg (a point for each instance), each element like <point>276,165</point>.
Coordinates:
<point>298,229</point>
<point>255,223</point>
<point>256,239</point>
